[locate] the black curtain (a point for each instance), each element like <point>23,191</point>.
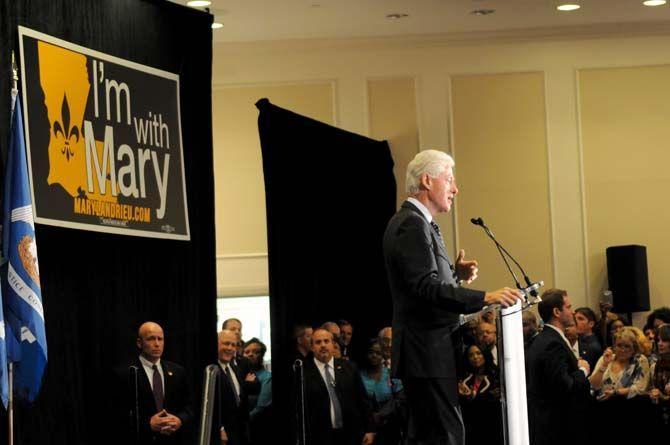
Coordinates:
<point>329,194</point>
<point>96,287</point>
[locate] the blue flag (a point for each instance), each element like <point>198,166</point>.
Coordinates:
<point>25,335</point>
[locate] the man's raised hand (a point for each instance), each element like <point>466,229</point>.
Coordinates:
<point>466,270</point>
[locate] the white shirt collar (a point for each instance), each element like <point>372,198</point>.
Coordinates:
<point>561,333</point>
<point>147,364</point>
<point>148,370</point>
<point>424,210</point>
<point>322,365</point>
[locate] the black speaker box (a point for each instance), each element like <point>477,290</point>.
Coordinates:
<point>627,277</point>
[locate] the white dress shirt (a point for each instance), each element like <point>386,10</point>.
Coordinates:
<point>232,375</point>
<point>149,370</point>
<point>322,370</point>
<point>567,343</point>
<point>424,210</point>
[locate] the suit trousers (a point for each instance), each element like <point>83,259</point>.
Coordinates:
<point>434,413</point>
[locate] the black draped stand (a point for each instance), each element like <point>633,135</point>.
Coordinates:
<point>329,196</point>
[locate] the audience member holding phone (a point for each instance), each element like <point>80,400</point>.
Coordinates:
<point>622,371</point>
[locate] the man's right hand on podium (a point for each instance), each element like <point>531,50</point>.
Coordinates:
<point>505,297</point>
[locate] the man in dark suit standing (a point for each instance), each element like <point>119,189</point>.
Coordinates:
<point>590,348</point>
<point>336,408</point>
<point>162,397</point>
<point>230,423</point>
<point>427,299</point>
<point>558,388</point>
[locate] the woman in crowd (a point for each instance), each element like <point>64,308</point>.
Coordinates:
<point>622,371</point>
<point>385,394</point>
<point>259,406</point>
<point>337,348</point>
<point>646,346</point>
<point>619,377</point>
<point>479,392</point>
<point>614,327</point>
<point>659,387</point>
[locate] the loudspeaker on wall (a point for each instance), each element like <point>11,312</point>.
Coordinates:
<point>628,278</point>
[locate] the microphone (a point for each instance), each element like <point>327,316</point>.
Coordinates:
<point>136,408</point>
<point>480,222</point>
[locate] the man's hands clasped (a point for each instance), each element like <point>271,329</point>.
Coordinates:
<point>164,423</point>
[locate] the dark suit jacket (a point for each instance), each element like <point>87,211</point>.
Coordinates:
<point>427,298</point>
<point>177,402</point>
<point>356,411</point>
<point>590,349</point>
<point>227,413</point>
<point>557,391</point>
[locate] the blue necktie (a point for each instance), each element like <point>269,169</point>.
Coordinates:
<point>330,385</point>
<point>435,227</point>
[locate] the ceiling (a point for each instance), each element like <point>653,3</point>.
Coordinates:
<point>253,20</point>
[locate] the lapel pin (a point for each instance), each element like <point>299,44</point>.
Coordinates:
<point>169,373</point>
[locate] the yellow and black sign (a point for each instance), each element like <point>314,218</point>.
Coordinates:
<point>104,143</point>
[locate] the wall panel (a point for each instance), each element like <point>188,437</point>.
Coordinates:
<point>624,115</point>
<point>499,136</point>
<point>393,117</point>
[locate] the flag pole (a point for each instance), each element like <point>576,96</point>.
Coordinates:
<point>10,402</point>
<point>10,365</point>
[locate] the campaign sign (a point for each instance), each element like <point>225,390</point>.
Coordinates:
<point>103,137</point>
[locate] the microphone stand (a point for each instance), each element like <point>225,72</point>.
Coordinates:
<point>501,249</point>
<point>298,370</point>
<point>136,416</point>
<point>513,405</point>
<point>208,399</point>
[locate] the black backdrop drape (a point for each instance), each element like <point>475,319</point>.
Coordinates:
<point>97,288</point>
<point>329,194</point>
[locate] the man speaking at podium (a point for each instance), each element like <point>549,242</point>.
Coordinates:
<point>427,300</point>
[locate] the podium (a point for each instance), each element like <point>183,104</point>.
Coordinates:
<point>511,361</point>
<point>512,365</point>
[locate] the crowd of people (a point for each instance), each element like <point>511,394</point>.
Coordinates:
<point>426,380</point>
<point>620,372</point>
<point>626,372</point>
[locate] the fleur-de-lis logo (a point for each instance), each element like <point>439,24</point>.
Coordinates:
<point>68,133</point>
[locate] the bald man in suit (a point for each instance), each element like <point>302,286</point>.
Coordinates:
<point>163,397</point>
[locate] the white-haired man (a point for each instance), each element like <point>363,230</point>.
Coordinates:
<point>427,299</point>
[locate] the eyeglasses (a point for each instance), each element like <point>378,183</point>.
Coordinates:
<point>623,346</point>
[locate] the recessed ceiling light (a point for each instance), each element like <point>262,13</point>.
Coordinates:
<point>396,16</point>
<point>654,2</point>
<point>568,7</point>
<point>482,11</point>
<point>217,25</point>
<point>198,3</point>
